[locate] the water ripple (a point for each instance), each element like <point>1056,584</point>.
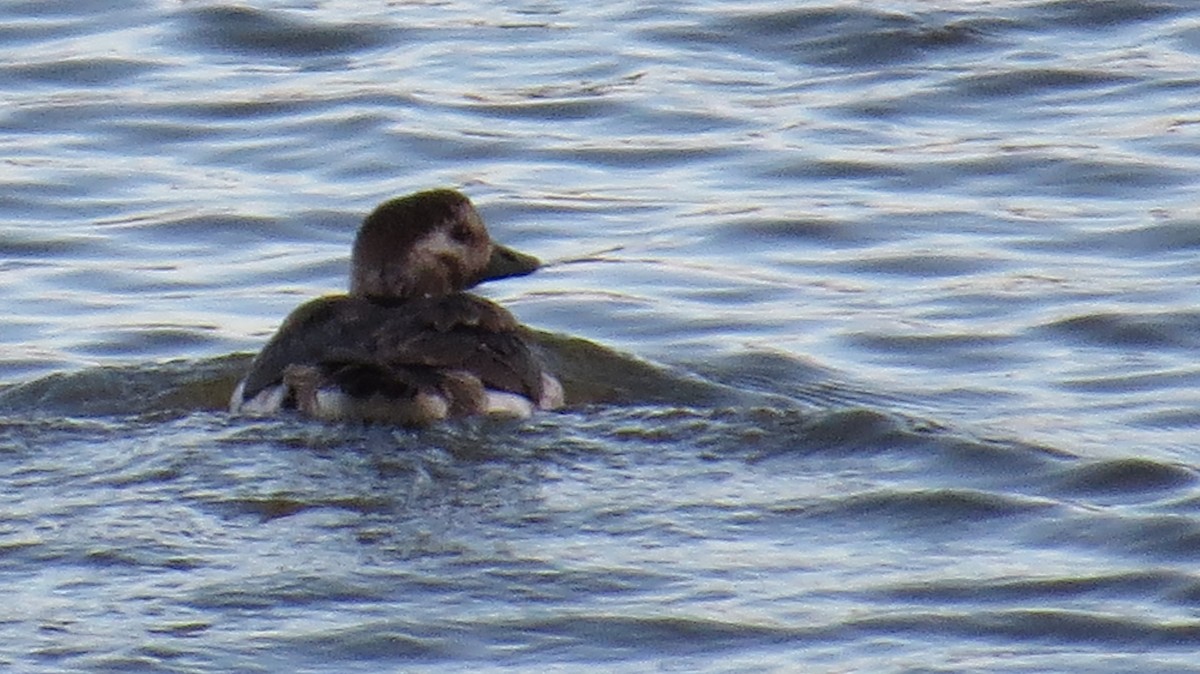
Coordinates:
<point>877,322</point>
<point>231,30</point>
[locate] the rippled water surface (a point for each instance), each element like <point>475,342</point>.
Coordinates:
<point>878,320</point>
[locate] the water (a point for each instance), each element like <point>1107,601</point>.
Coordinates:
<point>879,321</point>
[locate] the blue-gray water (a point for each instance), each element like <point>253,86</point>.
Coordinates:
<point>880,322</point>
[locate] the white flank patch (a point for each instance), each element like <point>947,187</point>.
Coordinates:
<point>552,393</point>
<point>333,404</point>
<point>507,404</point>
<point>268,400</point>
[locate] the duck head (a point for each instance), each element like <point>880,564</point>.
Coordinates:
<point>428,244</point>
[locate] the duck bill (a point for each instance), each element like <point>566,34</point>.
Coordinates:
<point>506,262</point>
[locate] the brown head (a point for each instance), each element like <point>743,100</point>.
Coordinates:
<point>425,245</point>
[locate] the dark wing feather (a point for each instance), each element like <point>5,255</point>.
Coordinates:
<point>368,347</point>
<point>303,338</point>
<point>463,332</point>
<point>500,360</point>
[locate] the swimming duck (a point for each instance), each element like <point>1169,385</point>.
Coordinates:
<point>407,345</point>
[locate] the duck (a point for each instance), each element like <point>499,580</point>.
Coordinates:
<point>408,345</point>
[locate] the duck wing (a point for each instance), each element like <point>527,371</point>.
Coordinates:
<point>463,333</point>
<point>306,337</point>
<point>369,347</point>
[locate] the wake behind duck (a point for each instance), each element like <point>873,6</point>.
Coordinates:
<point>407,345</point>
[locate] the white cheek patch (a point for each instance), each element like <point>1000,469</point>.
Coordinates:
<point>428,251</point>
<point>438,244</point>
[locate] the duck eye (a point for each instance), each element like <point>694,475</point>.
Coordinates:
<point>461,233</point>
